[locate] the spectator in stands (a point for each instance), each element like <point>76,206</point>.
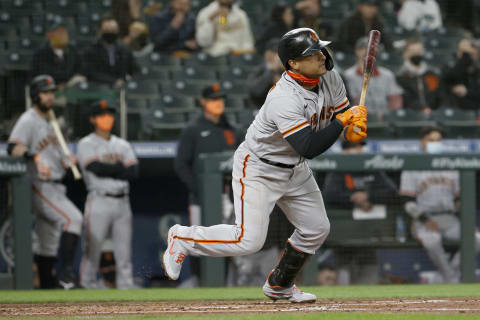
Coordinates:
<point>173,28</point>
<point>431,199</point>
<point>462,79</point>
<point>223,28</point>
<point>210,132</point>
<point>358,25</point>
<point>367,194</point>
<point>384,94</point>
<point>140,44</point>
<point>326,276</point>
<point>307,14</point>
<point>125,12</point>
<point>108,60</point>
<point>419,81</point>
<point>58,58</point>
<point>261,80</point>
<point>420,15</point>
<point>280,22</point>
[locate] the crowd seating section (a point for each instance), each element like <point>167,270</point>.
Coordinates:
<point>163,97</point>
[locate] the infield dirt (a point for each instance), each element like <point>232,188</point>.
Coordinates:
<point>431,306</point>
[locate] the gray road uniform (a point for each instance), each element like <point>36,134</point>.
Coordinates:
<point>55,213</point>
<point>268,170</point>
<point>107,211</point>
<point>435,193</point>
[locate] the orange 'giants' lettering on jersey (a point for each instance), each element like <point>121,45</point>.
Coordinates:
<point>314,121</point>
<point>328,114</point>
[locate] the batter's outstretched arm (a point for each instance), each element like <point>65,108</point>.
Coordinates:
<point>310,144</point>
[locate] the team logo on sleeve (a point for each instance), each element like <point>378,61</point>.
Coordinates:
<point>313,36</point>
<point>314,121</point>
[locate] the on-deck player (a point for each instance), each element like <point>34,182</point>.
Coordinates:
<point>57,218</point>
<point>303,115</point>
<point>108,163</point>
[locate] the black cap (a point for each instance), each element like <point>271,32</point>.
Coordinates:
<point>272,44</point>
<point>101,107</point>
<point>213,92</point>
<point>348,144</point>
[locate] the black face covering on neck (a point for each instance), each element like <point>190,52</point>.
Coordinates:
<point>109,37</point>
<point>416,60</point>
<point>466,59</point>
<point>43,107</point>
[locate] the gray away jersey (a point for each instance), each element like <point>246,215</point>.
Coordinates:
<point>435,191</point>
<point>94,148</point>
<point>38,135</point>
<point>289,108</point>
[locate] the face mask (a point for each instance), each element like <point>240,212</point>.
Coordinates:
<point>215,107</point>
<point>105,122</point>
<point>140,42</point>
<point>434,147</point>
<point>109,37</point>
<point>466,59</point>
<point>416,60</point>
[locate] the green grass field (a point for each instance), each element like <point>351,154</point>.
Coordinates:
<point>203,294</point>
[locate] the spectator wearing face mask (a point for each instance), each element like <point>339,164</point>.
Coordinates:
<point>58,58</point>
<point>462,79</point>
<point>108,60</point>
<point>419,81</point>
<point>173,29</point>
<point>140,41</point>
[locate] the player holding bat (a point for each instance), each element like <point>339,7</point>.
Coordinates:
<point>57,219</point>
<point>303,115</point>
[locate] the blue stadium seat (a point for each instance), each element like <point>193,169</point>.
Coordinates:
<point>189,88</point>
<point>142,89</point>
<point>171,101</point>
<point>204,59</point>
<point>233,73</point>
<point>457,123</point>
<point>235,87</point>
<point>248,60</point>
<point>153,73</point>
<point>161,125</point>
<point>408,123</point>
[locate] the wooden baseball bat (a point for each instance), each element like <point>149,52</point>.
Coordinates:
<point>370,57</point>
<point>53,121</point>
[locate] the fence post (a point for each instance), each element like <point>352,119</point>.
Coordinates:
<point>468,225</point>
<point>22,227</point>
<point>212,270</point>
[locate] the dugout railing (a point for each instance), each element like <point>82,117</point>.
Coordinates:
<point>16,224</point>
<point>215,166</point>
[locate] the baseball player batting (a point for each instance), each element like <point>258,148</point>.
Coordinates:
<point>303,115</point>
<point>108,163</point>
<point>57,218</point>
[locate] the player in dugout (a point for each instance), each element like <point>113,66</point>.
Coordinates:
<point>303,115</point>
<point>57,219</point>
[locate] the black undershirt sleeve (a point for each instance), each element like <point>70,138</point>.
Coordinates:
<point>111,170</point>
<point>310,144</point>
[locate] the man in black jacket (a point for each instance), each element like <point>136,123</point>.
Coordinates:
<point>58,58</point>
<point>359,191</point>
<point>209,133</point>
<point>108,61</point>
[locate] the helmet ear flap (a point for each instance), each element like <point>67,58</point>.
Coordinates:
<point>329,60</point>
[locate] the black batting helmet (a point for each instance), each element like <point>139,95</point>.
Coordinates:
<point>302,42</point>
<point>39,84</point>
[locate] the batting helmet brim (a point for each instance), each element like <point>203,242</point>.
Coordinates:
<point>317,46</point>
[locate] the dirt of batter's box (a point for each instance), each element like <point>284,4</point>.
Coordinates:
<point>437,306</point>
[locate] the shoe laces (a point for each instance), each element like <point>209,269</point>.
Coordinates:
<point>180,258</point>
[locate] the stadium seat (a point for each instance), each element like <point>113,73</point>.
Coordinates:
<point>160,125</point>
<point>16,60</point>
<point>158,74</point>
<point>248,60</point>
<point>390,61</point>
<point>235,102</point>
<point>157,60</point>
<point>378,128</point>
<point>142,89</point>
<point>189,88</point>
<point>408,123</point>
<point>195,73</point>
<point>237,87</point>
<point>137,104</point>
<point>245,117</point>
<point>233,73</point>
<point>171,101</point>
<point>203,59</point>
<point>344,60</point>
<point>25,45</point>
<point>457,123</point>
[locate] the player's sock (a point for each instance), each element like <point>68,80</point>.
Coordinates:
<point>45,265</point>
<point>288,267</point>
<point>68,246</point>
